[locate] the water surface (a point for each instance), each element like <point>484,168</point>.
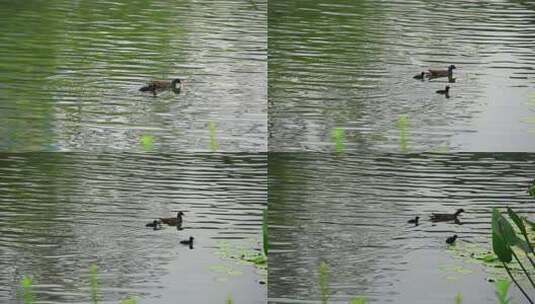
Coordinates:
<point>351,212</point>
<point>60,213</point>
<point>349,65</point>
<point>70,74</point>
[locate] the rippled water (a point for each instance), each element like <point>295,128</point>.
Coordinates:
<point>61,212</point>
<point>351,212</point>
<point>341,64</point>
<point>70,73</point>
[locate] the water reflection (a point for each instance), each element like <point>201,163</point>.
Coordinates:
<point>352,212</point>
<point>61,212</point>
<point>334,64</point>
<point>71,72</point>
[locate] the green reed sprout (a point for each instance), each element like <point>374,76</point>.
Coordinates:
<point>502,291</point>
<point>265,240</point>
<point>213,141</point>
<point>458,298</point>
<point>403,126</point>
<point>93,277</point>
<point>147,142</point>
<point>338,137</point>
<point>27,293</point>
<point>323,282</point>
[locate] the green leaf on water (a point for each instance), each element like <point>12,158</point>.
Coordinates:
<point>488,258</point>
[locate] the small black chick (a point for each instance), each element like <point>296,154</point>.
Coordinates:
<point>451,240</point>
<point>414,221</point>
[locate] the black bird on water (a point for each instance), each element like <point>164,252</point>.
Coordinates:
<point>188,242</point>
<point>451,239</point>
<point>414,221</point>
<point>446,91</point>
<point>156,225</point>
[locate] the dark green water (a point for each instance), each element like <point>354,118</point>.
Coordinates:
<point>59,213</point>
<point>351,212</point>
<point>349,64</point>
<point>70,74</point>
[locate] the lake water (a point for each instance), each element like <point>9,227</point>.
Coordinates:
<point>60,213</point>
<point>351,212</point>
<point>70,73</point>
<point>339,64</point>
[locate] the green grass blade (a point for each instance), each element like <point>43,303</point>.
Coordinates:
<point>265,239</point>
<point>93,275</point>
<point>213,139</point>
<point>323,282</point>
<point>27,293</point>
